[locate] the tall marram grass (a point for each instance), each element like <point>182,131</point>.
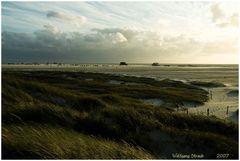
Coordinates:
<point>45,142</point>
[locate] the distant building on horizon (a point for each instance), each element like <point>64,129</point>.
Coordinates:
<point>155,64</point>
<point>123,63</point>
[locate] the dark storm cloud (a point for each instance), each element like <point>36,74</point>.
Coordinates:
<point>101,45</point>
<point>50,45</point>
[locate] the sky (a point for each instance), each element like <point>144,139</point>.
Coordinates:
<point>109,32</point>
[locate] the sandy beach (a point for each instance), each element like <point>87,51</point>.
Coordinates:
<point>226,74</point>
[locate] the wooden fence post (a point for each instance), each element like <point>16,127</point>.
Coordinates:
<point>227,110</point>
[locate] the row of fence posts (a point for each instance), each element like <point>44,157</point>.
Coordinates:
<point>211,96</point>
<point>208,111</point>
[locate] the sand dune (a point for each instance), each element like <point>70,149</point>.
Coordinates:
<point>218,104</point>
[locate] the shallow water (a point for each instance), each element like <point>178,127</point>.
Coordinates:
<point>232,94</point>
<point>116,82</point>
<point>153,101</point>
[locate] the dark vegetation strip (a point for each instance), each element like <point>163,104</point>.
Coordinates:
<point>37,98</point>
<point>207,84</point>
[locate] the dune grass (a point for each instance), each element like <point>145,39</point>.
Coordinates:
<point>105,115</point>
<point>45,142</point>
<point>207,84</point>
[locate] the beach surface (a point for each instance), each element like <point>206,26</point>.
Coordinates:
<point>221,104</point>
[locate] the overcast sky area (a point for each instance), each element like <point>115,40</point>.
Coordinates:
<point>110,32</point>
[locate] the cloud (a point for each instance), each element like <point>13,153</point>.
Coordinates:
<point>234,20</point>
<point>128,33</point>
<point>105,38</point>
<point>105,45</point>
<point>231,22</point>
<point>76,20</point>
<point>52,28</point>
<point>12,40</point>
<point>216,11</point>
<point>118,38</point>
<point>220,19</point>
<point>93,37</point>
